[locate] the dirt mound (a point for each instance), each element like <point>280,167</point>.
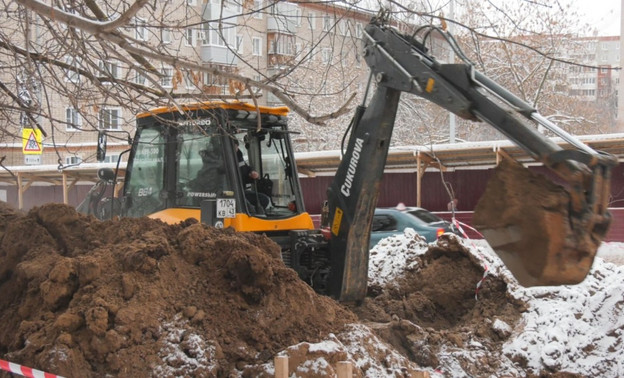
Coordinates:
<point>85,298</point>
<point>434,306</point>
<point>137,297</point>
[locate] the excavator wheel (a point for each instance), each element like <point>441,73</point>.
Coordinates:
<point>526,220</point>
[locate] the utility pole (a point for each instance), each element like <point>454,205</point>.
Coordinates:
<point>451,61</point>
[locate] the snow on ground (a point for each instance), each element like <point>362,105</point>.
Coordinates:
<point>574,328</point>
<point>612,252</point>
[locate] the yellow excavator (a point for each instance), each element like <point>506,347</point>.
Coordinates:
<point>231,164</point>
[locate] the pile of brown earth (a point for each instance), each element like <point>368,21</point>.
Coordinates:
<point>136,297</point>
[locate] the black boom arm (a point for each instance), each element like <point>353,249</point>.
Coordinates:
<point>400,63</point>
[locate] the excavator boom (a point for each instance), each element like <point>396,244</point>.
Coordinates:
<point>553,242</point>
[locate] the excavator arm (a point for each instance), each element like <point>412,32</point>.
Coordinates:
<point>400,63</point>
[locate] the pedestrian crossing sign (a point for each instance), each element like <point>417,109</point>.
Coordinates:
<point>31,142</point>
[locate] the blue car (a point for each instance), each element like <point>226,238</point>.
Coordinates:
<point>388,222</point>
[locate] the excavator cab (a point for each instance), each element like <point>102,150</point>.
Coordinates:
<point>227,164</point>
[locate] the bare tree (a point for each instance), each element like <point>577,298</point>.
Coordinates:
<point>100,58</point>
<point>91,66</point>
<point>531,48</point>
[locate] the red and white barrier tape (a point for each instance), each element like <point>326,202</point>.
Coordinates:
<point>486,269</point>
<point>25,371</point>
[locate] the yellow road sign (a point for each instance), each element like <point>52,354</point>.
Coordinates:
<point>31,142</point>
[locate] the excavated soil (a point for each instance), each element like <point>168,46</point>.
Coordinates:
<point>525,218</point>
<point>136,297</point>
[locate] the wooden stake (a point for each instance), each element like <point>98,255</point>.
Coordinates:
<point>281,366</point>
<point>345,369</point>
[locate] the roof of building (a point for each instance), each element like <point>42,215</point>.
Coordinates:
<point>449,156</point>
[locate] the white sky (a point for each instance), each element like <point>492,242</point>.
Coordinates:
<point>603,14</point>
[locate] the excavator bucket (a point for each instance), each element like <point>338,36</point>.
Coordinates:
<point>526,220</point>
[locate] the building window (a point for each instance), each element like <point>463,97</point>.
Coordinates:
<point>359,30</point>
<point>191,2</point>
<point>165,35</point>
<point>216,39</point>
<point>312,20</point>
<point>216,84</point>
<point>111,158</point>
<point>110,68</point>
<point>189,80</point>
<point>167,77</point>
<point>256,46</point>
<point>110,118</point>
<point>219,36</point>
<point>73,119</point>
<point>140,33</point>
<point>326,22</point>
<point>343,27</point>
<point>189,38</point>
<point>298,16</point>
<point>204,34</point>
<point>282,45</point>
<point>73,160</point>
<point>326,55</point>
<point>235,5</point>
<point>71,74</point>
<point>239,44</point>
<point>258,9</point>
<point>258,78</point>
<point>139,78</point>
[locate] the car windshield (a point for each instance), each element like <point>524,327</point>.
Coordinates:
<point>426,216</point>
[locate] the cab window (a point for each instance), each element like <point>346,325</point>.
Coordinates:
<point>201,167</point>
<point>145,177</point>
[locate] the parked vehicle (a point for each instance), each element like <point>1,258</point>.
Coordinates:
<point>429,218</point>
<point>388,222</point>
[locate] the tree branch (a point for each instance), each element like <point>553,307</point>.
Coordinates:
<point>95,28</point>
<point>25,108</point>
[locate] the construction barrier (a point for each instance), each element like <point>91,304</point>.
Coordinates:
<point>344,369</point>
<point>25,371</point>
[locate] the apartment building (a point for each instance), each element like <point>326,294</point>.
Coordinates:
<point>310,49</point>
<point>588,81</point>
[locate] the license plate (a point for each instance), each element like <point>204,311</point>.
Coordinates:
<point>226,208</point>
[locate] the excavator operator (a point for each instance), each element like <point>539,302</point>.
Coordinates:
<point>250,177</point>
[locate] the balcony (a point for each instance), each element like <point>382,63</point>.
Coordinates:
<point>281,51</point>
<point>285,18</point>
<point>218,55</point>
<point>216,48</point>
